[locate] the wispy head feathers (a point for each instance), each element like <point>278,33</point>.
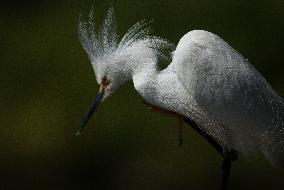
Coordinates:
<point>104,42</point>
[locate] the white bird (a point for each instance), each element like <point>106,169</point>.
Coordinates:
<point>208,83</point>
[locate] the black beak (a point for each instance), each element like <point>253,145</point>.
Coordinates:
<point>90,112</point>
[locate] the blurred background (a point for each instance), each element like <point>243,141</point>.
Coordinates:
<point>47,84</point>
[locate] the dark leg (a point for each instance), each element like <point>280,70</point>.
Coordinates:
<point>228,155</point>
<point>202,133</point>
<point>226,167</point>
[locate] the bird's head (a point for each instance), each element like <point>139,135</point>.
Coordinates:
<point>110,73</point>
<point>113,61</point>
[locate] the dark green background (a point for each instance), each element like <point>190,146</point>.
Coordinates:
<point>47,84</point>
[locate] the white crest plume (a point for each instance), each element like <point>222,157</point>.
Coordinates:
<point>104,43</point>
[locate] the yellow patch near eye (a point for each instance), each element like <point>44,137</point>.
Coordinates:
<point>105,82</point>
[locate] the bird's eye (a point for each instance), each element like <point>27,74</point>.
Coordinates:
<point>105,81</point>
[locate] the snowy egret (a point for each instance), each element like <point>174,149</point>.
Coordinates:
<point>208,85</point>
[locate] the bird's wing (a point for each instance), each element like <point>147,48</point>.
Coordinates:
<point>231,92</point>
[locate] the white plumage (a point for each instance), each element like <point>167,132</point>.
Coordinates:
<point>208,81</point>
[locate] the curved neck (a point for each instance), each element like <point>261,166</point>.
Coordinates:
<point>141,66</point>
<point>144,79</point>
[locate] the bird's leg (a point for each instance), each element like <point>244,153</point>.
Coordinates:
<point>226,168</point>
<point>228,157</point>
<point>179,118</point>
<point>210,140</point>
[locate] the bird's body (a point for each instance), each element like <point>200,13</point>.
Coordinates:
<point>211,83</point>
<point>207,81</point>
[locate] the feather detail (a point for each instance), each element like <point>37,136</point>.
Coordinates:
<point>104,42</point>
